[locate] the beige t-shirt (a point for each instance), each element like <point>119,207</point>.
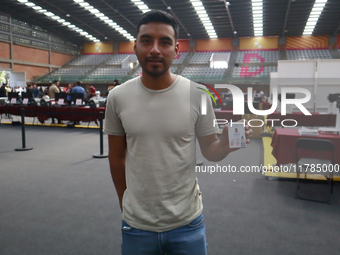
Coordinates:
<point>52,90</point>
<point>161,128</point>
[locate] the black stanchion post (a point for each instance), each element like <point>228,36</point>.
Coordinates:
<point>101,154</point>
<point>23,137</point>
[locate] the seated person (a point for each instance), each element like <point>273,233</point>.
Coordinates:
<point>78,89</point>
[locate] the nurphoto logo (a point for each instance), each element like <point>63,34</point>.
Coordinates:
<point>238,102</point>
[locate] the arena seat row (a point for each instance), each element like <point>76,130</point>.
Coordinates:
<point>180,58</point>
<point>201,58</point>
<point>254,56</point>
<point>253,71</point>
<point>308,54</point>
<point>71,71</point>
<point>111,71</point>
<point>108,74</point>
<point>117,59</point>
<point>203,71</point>
<point>89,60</point>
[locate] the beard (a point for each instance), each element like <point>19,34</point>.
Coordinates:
<point>155,70</point>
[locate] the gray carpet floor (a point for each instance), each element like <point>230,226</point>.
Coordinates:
<point>58,199</point>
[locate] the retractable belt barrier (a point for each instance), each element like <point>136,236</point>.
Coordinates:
<point>99,114</point>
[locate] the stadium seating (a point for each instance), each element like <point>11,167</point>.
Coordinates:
<point>117,59</point>
<point>89,60</point>
<point>180,58</point>
<point>70,71</point>
<point>203,72</point>
<point>257,56</point>
<point>109,73</point>
<point>308,54</point>
<point>253,71</point>
<point>201,58</point>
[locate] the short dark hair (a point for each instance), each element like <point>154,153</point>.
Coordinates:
<point>55,81</point>
<point>78,83</point>
<point>160,17</point>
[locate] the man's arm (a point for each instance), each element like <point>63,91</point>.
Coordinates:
<point>117,154</point>
<point>214,149</point>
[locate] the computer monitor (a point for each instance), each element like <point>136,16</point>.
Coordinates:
<point>61,98</point>
<point>288,96</point>
<point>227,102</point>
<point>26,96</point>
<point>333,97</point>
<point>257,99</point>
<point>256,105</point>
<point>13,97</point>
<point>77,98</point>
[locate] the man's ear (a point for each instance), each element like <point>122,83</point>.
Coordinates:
<point>134,46</point>
<point>176,49</point>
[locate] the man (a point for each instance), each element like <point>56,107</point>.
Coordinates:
<point>3,92</point>
<point>78,89</point>
<point>29,89</point>
<point>109,88</point>
<point>115,83</point>
<point>54,88</point>
<point>152,122</point>
<point>92,92</point>
<point>69,88</point>
<point>35,91</point>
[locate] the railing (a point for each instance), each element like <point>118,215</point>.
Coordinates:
<point>197,78</point>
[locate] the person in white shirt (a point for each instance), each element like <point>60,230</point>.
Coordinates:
<point>152,122</point>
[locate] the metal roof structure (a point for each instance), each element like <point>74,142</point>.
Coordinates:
<point>280,17</point>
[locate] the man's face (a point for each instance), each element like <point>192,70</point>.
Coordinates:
<point>57,83</point>
<point>156,48</point>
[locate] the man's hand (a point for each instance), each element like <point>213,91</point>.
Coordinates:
<point>214,149</point>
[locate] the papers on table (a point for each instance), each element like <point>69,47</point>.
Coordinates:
<point>329,131</point>
<point>308,131</point>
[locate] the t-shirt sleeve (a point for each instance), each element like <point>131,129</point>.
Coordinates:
<point>205,123</point>
<point>113,124</point>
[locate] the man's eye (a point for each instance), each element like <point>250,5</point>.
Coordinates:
<point>145,41</point>
<point>166,43</point>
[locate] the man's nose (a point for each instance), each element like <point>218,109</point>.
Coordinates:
<point>155,48</point>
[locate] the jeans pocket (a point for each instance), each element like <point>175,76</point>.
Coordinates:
<point>196,222</point>
<point>125,226</point>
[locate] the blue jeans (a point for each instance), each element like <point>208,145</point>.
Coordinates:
<point>187,240</point>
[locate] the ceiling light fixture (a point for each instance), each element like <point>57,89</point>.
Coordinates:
<point>106,19</point>
<point>257,9</point>
<point>143,7</point>
<point>314,16</point>
<point>57,18</point>
<point>49,14</point>
<point>202,14</point>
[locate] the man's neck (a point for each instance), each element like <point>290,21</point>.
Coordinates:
<point>158,82</point>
